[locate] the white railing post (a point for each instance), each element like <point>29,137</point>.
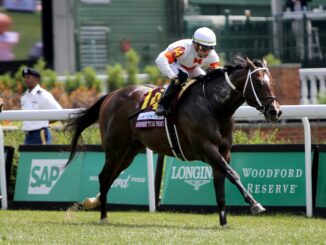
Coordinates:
<point>150,175</point>
<point>307,139</point>
<point>304,90</point>
<point>322,85</point>
<point>313,90</point>
<point>4,199</point>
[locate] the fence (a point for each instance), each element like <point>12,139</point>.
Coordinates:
<point>294,37</point>
<point>313,85</point>
<point>243,113</point>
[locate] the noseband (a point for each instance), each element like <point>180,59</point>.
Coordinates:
<point>260,107</point>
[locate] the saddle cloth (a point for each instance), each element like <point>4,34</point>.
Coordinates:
<point>149,103</point>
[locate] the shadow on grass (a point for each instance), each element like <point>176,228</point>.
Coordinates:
<point>140,226</point>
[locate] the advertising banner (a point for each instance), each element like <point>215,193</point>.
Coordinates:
<point>274,175</point>
<point>42,176</point>
<point>321,180</point>
<point>9,156</point>
<point>187,183</point>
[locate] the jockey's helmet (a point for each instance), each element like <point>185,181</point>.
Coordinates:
<point>205,37</point>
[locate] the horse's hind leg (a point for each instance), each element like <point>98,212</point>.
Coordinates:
<point>219,180</point>
<point>111,170</point>
<point>106,178</point>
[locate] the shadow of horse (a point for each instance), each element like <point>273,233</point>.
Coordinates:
<point>204,122</point>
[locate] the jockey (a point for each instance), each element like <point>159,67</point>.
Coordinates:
<point>183,59</point>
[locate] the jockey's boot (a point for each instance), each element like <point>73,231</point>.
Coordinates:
<point>163,108</point>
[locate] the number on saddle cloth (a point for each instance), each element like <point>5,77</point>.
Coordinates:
<point>150,100</point>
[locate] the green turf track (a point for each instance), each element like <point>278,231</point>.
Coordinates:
<point>63,227</point>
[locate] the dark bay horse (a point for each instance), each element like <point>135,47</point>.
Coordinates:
<point>204,121</point>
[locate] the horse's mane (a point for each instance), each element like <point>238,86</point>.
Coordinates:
<point>238,63</point>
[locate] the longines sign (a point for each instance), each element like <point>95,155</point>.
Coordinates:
<point>195,176</point>
<point>273,178</point>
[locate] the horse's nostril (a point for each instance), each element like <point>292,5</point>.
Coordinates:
<point>272,112</point>
<point>275,113</point>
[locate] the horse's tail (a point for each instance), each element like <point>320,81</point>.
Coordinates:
<point>78,124</point>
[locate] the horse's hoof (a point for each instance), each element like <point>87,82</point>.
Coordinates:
<point>90,203</point>
<point>225,226</point>
<point>257,208</point>
<point>104,221</point>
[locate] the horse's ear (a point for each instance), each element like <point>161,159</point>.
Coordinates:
<point>251,65</point>
<point>265,62</point>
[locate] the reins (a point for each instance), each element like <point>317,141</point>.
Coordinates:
<point>259,106</point>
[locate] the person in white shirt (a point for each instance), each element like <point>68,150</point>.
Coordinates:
<point>183,59</point>
<point>36,98</point>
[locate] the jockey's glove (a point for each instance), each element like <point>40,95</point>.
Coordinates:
<point>175,81</point>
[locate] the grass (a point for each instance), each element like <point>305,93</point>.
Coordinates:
<point>64,227</point>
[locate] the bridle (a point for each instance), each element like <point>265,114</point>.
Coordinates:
<point>260,107</point>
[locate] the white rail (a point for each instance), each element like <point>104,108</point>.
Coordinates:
<point>3,180</point>
<point>244,112</point>
<point>317,79</point>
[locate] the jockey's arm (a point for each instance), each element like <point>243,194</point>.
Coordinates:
<point>163,65</point>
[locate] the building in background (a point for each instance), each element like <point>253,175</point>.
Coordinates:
<point>97,33</point>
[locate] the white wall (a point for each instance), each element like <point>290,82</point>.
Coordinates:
<point>64,38</point>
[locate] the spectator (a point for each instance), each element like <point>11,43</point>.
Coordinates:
<point>7,39</point>
<point>297,5</point>
<point>300,29</point>
<point>36,98</point>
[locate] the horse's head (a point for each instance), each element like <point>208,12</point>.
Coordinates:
<point>259,90</point>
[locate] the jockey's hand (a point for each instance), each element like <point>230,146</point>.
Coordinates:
<point>182,76</point>
<point>175,81</point>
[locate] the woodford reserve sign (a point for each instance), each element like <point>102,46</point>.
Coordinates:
<point>275,176</point>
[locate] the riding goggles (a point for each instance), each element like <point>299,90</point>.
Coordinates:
<point>205,48</point>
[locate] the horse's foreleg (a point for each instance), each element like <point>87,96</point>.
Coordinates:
<point>234,177</point>
<point>219,181</point>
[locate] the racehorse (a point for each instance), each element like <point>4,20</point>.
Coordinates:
<point>204,121</point>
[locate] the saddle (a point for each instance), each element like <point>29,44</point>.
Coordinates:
<point>148,119</point>
<point>149,101</point>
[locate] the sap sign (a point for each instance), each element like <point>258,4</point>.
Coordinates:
<point>44,175</point>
